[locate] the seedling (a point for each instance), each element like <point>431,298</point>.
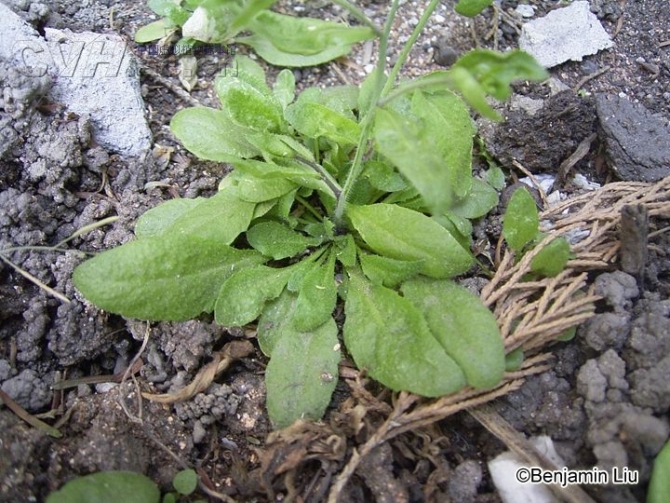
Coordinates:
<point>362,194</point>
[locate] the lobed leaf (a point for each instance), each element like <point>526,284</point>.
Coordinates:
<point>389,337</point>
<point>302,374</point>
<point>521,220</point>
<point>464,327</point>
<point>404,234</point>
<point>173,277</point>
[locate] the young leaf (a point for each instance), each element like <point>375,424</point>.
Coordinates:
<point>108,487</point>
<point>171,10</point>
<point>173,277</point>
<point>431,146</point>
<point>276,240</point>
<point>302,373</point>
<point>153,31</point>
<point>405,234</point>
<point>552,259</point>
<point>248,107</point>
<point>470,8</point>
<point>283,40</point>
<point>317,295</point>
<point>387,271</point>
<point>245,69</point>
<point>211,135</point>
<point>346,250</point>
<point>315,121</point>
<point>521,220</point>
<point>514,360</point>
<point>185,482</point>
<point>284,88</point>
<point>382,177</point>
<point>158,219</point>
<point>481,199</point>
<point>389,337</point>
<point>257,190</point>
<point>244,294</point>
<point>276,319</point>
<point>223,217</point>
<point>465,328</point>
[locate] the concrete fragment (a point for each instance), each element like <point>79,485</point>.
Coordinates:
<point>90,74</point>
<point>566,34</point>
<point>636,141</point>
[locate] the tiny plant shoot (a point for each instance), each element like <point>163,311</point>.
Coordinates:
<point>361,196</point>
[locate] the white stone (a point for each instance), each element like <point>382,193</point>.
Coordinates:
<point>564,34</point>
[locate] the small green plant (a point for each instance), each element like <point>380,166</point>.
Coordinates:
<point>362,194</point>
<point>278,38</point>
<point>123,486</point>
<point>659,484</point>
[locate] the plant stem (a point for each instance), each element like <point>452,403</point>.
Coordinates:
<point>409,44</point>
<point>366,123</point>
<point>309,207</point>
<point>411,85</point>
<point>325,176</point>
<point>358,14</point>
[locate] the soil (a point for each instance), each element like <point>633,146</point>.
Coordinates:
<point>605,402</point>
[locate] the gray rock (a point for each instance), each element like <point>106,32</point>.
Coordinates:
<point>464,482</point>
<point>591,383</point>
<point>636,141</point>
<point>28,390</point>
<point>564,34</point>
<point>618,288</point>
<point>607,330</point>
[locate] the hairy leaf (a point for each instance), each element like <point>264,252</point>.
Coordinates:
<point>245,293</point>
<point>465,328</point>
<point>315,121</point>
<point>388,271</point>
<point>521,220</point>
<point>317,295</point>
<point>405,234</point>
<point>302,373</point>
<point>257,190</point>
<point>290,41</point>
<point>224,216</point>
<point>276,240</point>
<point>552,259</point>
<point>389,337</point>
<point>211,135</point>
<point>108,487</point>
<point>481,199</point>
<point>276,319</point>
<point>471,8</point>
<point>248,107</point>
<point>382,177</point>
<point>173,277</point>
<point>284,88</point>
<point>158,219</point>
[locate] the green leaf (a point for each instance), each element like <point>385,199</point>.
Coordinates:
<point>245,69</point>
<point>185,482</point>
<point>302,373</point>
<point>248,107</point>
<point>315,121</point>
<point>284,88</point>
<point>568,335</point>
<point>388,336</point>
<point>405,234</point>
<point>224,216</point>
<point>431,147</point>
<point>514,360</point>
<point>496,178</point>
<point>257,190</point>
<point>157,220</point>
<point>521,220</point>
<point>552,259</point>
<point>465,328</point>
<point>276,319</point>
<point>383,177</point>
<point>495,71</point>
<point>283,40</point>
<point>171,10</point>
<point>387,271</point>
<point>245,293</point>
<point>248,12</point>
<point>346,250</point>
<point>659,484</point>
<point>211,135</point>
<point>108,487</point>
<point>153,31</point>
<point>276,240</point>
<point>172,277</point>
<point>481,199</point>
<point>317,295</point>
<point>470,8</point>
